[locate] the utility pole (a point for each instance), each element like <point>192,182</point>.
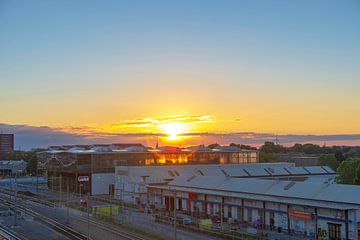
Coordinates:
<point>88,216</point>
<point>15,206</point>
<point>52,183</point>
<point>67,209</point>
<point>60,185</point>
<point>110,200</point>
<point>221,214</point>
<point>37,179</point>
<point>174,215</point>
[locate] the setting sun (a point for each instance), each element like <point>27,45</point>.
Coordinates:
<point>173,130</point>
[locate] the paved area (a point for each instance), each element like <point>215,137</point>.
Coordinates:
<point>130,216</point>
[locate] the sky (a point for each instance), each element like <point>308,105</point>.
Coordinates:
<point>100,68</point>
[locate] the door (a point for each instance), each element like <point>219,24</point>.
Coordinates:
<point>111,189</point>
<point>334,231</point>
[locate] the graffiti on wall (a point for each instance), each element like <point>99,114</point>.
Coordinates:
<point>321,234</point>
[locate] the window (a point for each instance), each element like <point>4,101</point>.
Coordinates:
<point>334,231</point>
<point>249,215</point>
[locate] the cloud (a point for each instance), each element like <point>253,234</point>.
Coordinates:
<point>156,122</point>
<point>27,137</point>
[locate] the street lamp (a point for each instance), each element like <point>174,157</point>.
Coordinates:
<point>15,199</point>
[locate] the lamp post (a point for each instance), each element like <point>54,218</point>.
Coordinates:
<point>15,206</point>
<point>88,216</point>
<point>174,193</point>
<point>15,198</point>
<point>67,201</point>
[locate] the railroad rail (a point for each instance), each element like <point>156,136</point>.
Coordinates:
<point>64,229</point>
<point>8,235</point>
<point>57,226</point>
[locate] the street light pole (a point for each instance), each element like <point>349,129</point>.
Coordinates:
<point>37,179</point>
<point>67,210</point>
<point>111,210</point>
<point>174,215</point>
<point>15,206</point>
<point>60,190</point>
<point>88,216</point>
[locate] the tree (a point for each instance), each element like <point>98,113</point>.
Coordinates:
<point>296,148</point>
<point>242,146</point>
<point>339,156</point>
<point>270,147</point>
<point>310,148</point>
<point>214,145</point>
<point>328,160</point>
<point>265,157</point>
<point>32,165</point>
<point>357,176</point>
<point>347,171</point>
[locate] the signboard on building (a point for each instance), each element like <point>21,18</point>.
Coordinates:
<point>300,215</point>
<point>83,178</point>
<point>122,172</point>
<point>192,196</point>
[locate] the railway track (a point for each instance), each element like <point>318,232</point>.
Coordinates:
<point>8,235</point>
<point>64,229</point>
<point>57,226</point>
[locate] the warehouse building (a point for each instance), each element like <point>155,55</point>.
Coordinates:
<point>132,181</point>
<point>313,210</point>
<point>10,167</point>
<point>91,169</point>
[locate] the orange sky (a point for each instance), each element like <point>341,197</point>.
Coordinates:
<point>216,68</point>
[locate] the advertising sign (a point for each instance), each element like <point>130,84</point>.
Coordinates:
<point>299,215</point>
<point>83,178</point>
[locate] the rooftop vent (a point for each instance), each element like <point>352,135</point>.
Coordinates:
<point>200,172</point>
<point>246,172</point>
<point>287,187</point>
<point>191,178</point>
<point>225,173</point>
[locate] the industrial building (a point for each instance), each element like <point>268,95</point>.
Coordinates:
<point>131,182</point>
<point>11,167</point>
<point>312,210</point>
<point>91,169</point>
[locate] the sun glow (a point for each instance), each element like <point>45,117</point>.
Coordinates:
<point>173,130</point>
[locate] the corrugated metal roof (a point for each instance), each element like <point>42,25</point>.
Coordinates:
<point>301,190</point>
<point>233,170</point>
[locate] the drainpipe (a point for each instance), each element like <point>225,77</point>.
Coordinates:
<point>347,224</point>
<point>316,223</point>
<point>288,218</point>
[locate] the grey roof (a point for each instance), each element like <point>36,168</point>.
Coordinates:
<point>337,193</point>
<point>168,172</point>
<point>12,164</point>
<point>137,148</point>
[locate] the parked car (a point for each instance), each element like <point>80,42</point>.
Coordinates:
<point>83,202</point>
<point>184,219</point>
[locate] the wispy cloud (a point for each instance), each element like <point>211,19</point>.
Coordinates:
<point>154,123</point>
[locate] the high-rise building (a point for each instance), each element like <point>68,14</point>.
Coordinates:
<point>6,143</point>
